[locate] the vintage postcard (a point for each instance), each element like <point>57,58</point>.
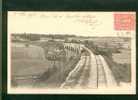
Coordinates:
<point>71,52</point>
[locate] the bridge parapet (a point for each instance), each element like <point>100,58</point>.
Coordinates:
<point>74,47</point>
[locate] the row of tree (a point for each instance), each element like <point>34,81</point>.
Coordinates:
<point>33,36</point>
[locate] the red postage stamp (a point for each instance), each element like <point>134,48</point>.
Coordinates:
<point>124,21</point>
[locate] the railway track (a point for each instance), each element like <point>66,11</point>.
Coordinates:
<point>111,82</point>
<point>102,81</point>
<point>92,71</point>
<point>82,82</point>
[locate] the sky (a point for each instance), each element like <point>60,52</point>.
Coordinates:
<point>77,23</point>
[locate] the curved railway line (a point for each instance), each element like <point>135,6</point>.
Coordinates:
<point>92,71</point>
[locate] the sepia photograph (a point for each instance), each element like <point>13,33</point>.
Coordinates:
<point>71,52</point>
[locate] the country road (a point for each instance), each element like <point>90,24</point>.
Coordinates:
<point>92,71</point>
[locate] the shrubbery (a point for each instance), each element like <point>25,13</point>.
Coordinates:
<point>101,50</point>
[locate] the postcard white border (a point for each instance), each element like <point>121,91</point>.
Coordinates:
<point>127,90</point>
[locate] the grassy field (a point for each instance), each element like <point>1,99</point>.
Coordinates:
<point>31,60</point>
<point>21,51</point>
<point>121,72</point>
<point>123,57</point>
<point>28,60</point>
<point>121,65</point>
